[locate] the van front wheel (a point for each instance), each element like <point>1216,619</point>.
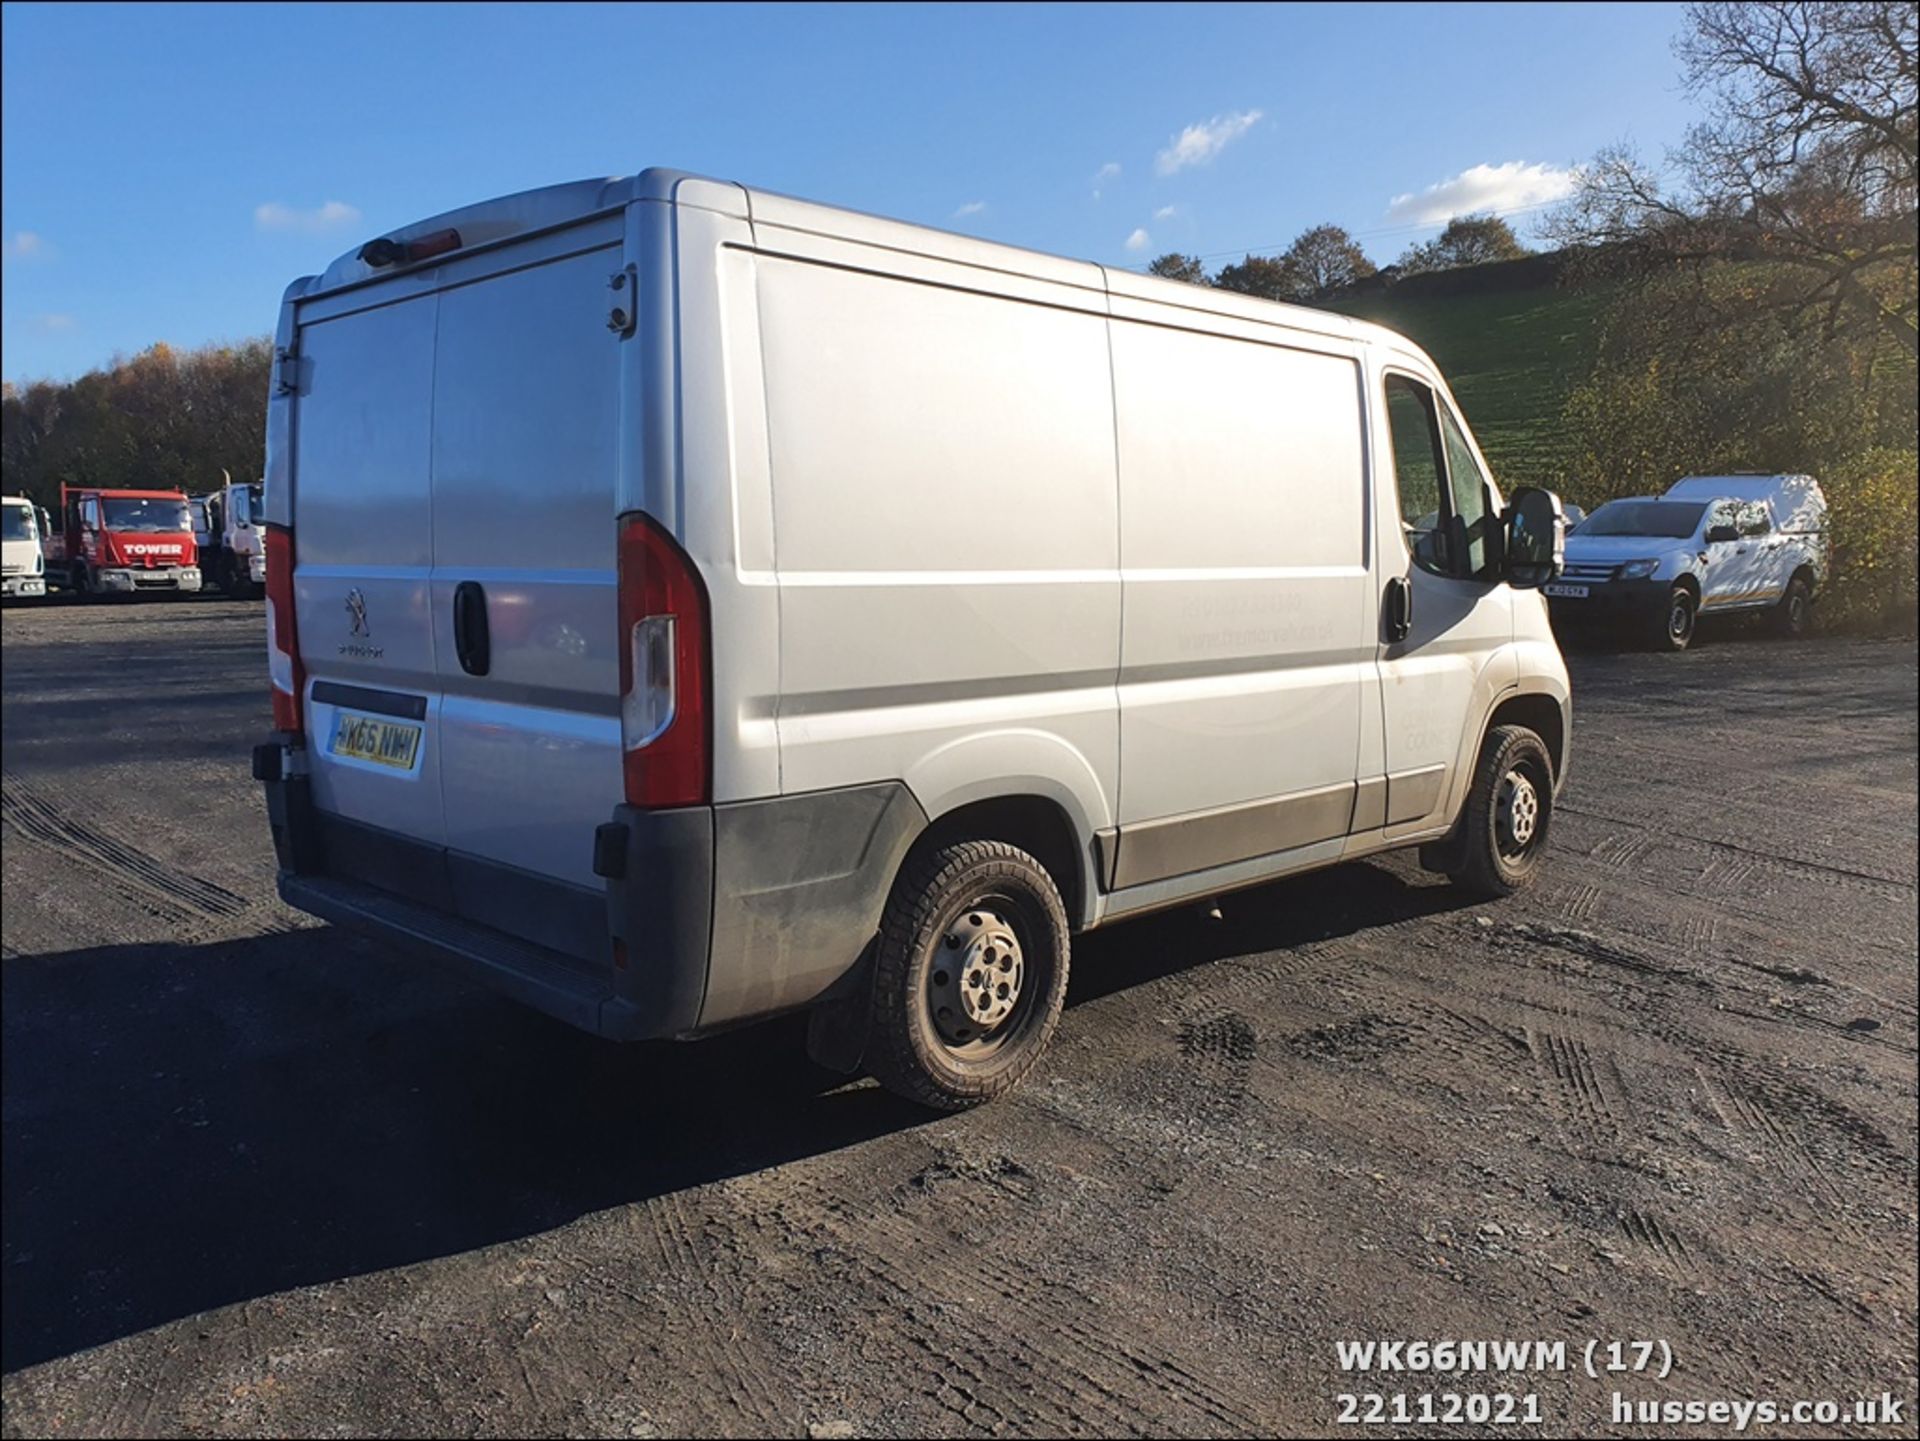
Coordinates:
<point>969,975</point>
<point>1504,828</point>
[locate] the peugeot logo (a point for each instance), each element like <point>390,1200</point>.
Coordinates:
<point>357,611</point>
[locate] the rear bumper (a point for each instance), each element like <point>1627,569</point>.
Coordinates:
<point>710,915</point>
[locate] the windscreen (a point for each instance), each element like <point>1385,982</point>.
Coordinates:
<point>1670,519</point>
<point>19,523</point>
<point>152,515</point>
<point>256,505</point>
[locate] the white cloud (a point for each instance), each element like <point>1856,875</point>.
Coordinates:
<point>1109,171</point>
<point>1139,240</point>
<point>972,207</point>
<point>1514,185</point>
<point>331,216</point>
<point>25,245</point>
<point>1198,144</point>
<point>1166,212</point>
<point>53,322</point>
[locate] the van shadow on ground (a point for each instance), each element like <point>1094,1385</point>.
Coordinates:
<point>187,1126</point>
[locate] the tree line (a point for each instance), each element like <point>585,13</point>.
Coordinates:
<point>1325,260</point>
<point>163,419</point>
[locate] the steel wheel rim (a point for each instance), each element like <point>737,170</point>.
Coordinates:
<point>1680,619</point>
<point>1797,608</point>
<point>979,979</point>
<point>1520,813</point>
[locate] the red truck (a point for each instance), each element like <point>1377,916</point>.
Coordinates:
<point>122,542</point>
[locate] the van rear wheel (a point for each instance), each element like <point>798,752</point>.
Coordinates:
<point>969,975</point>
<point>1503,830</point>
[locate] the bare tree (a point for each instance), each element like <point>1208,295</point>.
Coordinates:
<point>1808,159</point>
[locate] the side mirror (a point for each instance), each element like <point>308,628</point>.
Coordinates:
<point>1536,538</point>
<point>1718,533</point>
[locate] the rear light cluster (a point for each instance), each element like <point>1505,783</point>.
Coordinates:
<point>664,720</point>
<point>283,646</point>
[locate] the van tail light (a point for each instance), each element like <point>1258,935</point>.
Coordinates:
<point>664,662</point>
<point>283,646</point>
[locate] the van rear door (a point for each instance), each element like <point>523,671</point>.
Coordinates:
<point>454,445</point>
<point>525,416</point>
<point>362,523</point>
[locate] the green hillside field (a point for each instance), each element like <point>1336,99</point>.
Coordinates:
<point>1511,358</point>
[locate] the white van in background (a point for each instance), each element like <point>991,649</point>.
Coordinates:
<point>23,568</point>
<point>688,603</point>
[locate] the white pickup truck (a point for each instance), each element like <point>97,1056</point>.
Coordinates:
<point>1713,544</point>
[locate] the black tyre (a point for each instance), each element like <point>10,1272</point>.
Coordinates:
<point>1793,617</point>
<point>1503,831</point>
<point>1674,629</point>
<point>969,975</point>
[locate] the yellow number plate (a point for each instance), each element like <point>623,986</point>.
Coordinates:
<point>386,743</point>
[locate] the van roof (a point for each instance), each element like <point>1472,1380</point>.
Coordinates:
<point>509,217</point>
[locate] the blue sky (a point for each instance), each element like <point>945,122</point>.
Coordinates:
<point>165,170</point>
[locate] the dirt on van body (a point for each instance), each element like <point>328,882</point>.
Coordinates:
<point>261,1177</point>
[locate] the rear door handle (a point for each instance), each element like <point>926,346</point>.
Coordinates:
<point>470,640</point>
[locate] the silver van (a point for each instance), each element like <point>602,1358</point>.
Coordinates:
<point>688,604</point>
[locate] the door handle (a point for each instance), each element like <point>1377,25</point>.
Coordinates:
<point>1399,608</point>
<point>470,640</point>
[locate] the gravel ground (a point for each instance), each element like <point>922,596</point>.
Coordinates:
<point>261,1177</point>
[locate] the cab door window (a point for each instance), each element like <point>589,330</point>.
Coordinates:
<point>1467,489</point>
<point>1754,521</point>
<point>1419,472</point>
<point>1446,505</point>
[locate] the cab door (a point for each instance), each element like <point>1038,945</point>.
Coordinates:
<point>1731,558</point>
<point>1446,621</point>
<point>1768,556</point>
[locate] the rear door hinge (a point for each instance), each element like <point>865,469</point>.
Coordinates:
<point>286,370</point>
<point>625,312</point>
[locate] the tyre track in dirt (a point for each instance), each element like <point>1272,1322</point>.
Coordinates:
<point>39,819</point>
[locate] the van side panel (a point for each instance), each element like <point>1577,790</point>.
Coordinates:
<point>946,529</point>
<point>1247,644</point>
<point>530,751</point>
<point>725,499</point>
